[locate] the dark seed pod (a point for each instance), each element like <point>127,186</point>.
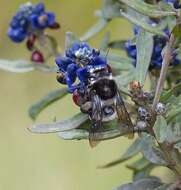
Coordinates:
<point>37,57</point>
<point>61,78</point>
<point>55,26</point>
<point>160,109</point>
<point>30,42</point>
<point>143,114</point>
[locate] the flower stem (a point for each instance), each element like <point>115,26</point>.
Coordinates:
<point>165,64</point>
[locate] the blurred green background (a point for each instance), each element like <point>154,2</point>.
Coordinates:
<point>44,162</point>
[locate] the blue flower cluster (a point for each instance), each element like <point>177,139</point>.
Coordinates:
<point>30,19</point>
<point>156,59</point>
<point>175,3</point>
<point>78,61</point>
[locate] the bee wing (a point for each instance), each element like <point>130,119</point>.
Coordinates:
<point>122,113</point>
<point>94,134</point>
<point>96,120</point>
<point>92,142</point>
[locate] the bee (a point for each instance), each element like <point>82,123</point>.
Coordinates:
<point>96,93</point>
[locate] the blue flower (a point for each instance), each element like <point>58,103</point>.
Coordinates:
<point>17,35</point>
<point>29,20</point>
<point>42,21</point>
<point>156,59</point>
<point>77,63</point>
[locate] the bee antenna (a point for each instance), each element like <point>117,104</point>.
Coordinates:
<point>107,52</point>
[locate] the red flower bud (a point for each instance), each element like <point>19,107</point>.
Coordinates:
<point>37,57</point>
<point>76,98</point>
<point>30,42</point>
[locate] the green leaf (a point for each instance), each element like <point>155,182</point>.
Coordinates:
<point>138,165</point>
<point>145,172</point>
<point>125,78</point>
<point>133,150</point>
<point>177,34</point>
<point>117,44</point>
<point>152,153</point>
<point>173,113</point>
<point>36,108</point>
<point>166,133</point>
<point>117,62</point>
<point>23,66</point>
<point>99,26</point>
<point>117,67</point>
<point>149,183</point>
<point>144,46</point>
<point>111,9</point>
<point>160,129</point>
<point>71,123</point>
<point>116,58</point>
<point>76,134</point>
<point>98,136</point>
<point>163,187</point>
<point>149,10</point>
<point>143,24</point>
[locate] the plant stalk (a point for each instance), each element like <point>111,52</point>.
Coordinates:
<point>165,64</point>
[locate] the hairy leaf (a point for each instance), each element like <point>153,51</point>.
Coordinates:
<point>111,9</point>
<point>143,24</point>
<point>75,134</point>
<point>97,136</point>
<point>152,153</point>
<point>23,66</point>
<point>138,165</point>
<point>19,66</point>
<point>173,113</point>
<point>118,63</point>
<point>149,183</point>
<point>145,172</point>
<point>149,10</point>
<point>100,25</point>
<point>144,46</point>
<point>36,108</point>
<point>177,34</point>
<point>163,187</point>
<point>160,129</point>
<point>126,78</point>
<point>68,124</point>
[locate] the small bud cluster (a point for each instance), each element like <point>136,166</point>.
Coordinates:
<point>29,23</point>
